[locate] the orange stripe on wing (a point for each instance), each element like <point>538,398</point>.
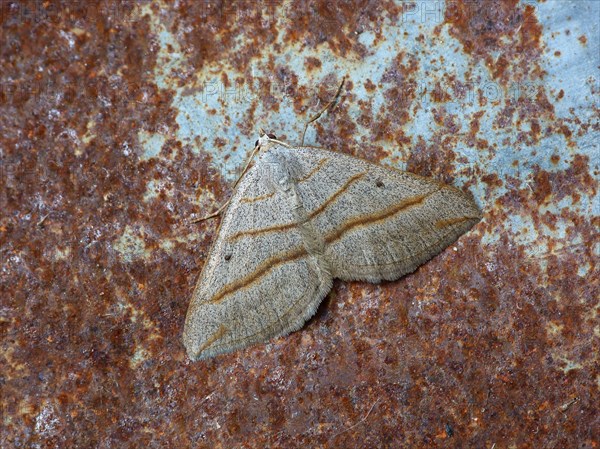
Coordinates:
<point>214,337</point>
<point>314,170</point>
<point>313,214</point>
<point>365,220</point>
<point>257,198</point>
<point>268,265</point>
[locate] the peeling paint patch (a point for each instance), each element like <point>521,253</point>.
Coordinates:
<point>46,421</point>
<point>567,364</point>
<point>157,188</point>
<point>139,356</point>
<point>62,253</point>
<point>152,144</point>
<point>554,329</point>
<point>130,245</point>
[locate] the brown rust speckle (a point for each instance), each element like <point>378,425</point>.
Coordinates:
<point>506,27</point>
<point>312,63</point>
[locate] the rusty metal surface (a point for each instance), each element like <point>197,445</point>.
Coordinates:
<point>119,121</point>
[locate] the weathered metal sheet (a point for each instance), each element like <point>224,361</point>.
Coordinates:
<point>121,121</point>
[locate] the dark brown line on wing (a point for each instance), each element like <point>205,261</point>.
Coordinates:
<point>260,271</point>
<point>373,218</point>
<point>450,221</point>
<point>214,337</point>
<point>336,195</point>
<point>285,314</point>
<point>249,232</point>
<point>313,214</point>
<point>314,170</point>
<point>257,198</point>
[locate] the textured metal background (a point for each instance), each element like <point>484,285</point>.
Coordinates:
<point>120,121</point>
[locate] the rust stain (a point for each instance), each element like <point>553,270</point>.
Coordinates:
<point>312,63</point>
<point>507,27</point>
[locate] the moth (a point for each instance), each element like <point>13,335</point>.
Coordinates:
<point>300,217</point>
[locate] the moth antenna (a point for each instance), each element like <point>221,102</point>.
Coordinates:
<point>279,142</point>
<point>327,106</point>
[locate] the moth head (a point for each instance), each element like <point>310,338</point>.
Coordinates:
<point>266,140</point>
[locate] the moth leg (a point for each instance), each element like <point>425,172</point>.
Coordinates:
<point>247,166</point>
<point>213,215</point>
<point>224,206</point>
<point>327,106</point>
